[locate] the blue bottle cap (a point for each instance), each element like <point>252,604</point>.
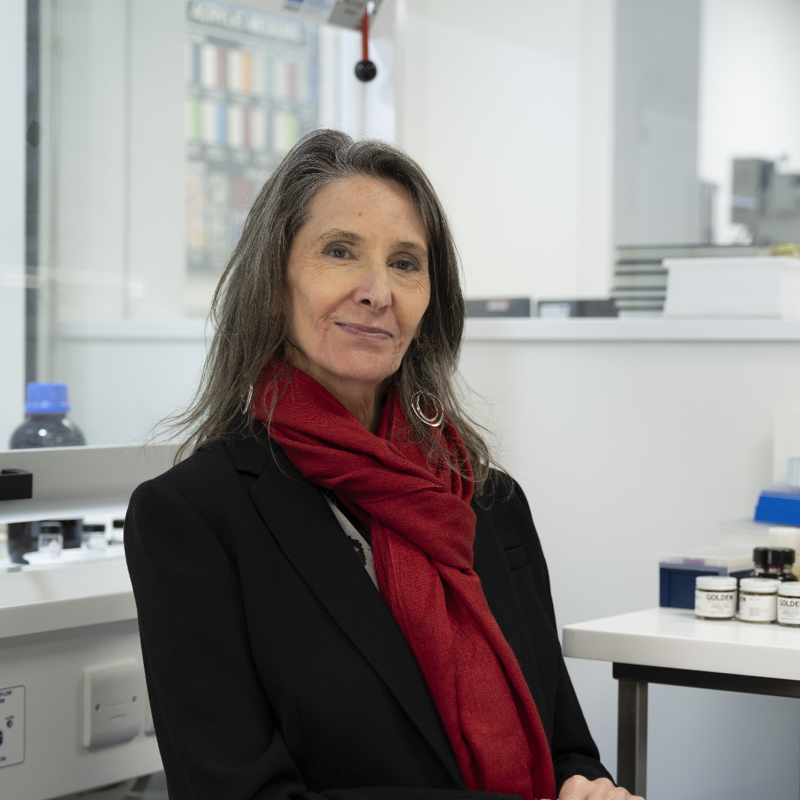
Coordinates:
<point>47,398</point>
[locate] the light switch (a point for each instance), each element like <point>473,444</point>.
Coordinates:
<point>113,703</point>
<point>12,726</point>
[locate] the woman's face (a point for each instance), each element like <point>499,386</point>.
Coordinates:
<point>358,284</point>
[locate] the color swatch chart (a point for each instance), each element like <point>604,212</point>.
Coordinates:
<point>251,92</point>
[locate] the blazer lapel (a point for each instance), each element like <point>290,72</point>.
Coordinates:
<point>310,537</point>
<point>497,582</point>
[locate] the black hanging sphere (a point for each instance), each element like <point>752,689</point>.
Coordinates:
<point>366,71</point>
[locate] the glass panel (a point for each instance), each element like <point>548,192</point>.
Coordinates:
<point>164,120</point>
<point>157,121</point>
<point>251,88</point>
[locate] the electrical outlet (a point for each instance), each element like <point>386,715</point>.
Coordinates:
<point>12,726</point>
<point>113,702</point>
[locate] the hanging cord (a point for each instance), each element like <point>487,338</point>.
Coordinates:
<point>365,69</point>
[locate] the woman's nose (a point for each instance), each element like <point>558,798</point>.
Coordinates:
<point>375,290</point>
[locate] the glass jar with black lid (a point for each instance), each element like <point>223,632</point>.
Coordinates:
<point>774,562</point>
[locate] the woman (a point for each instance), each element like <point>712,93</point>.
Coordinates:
<point>336,594</point>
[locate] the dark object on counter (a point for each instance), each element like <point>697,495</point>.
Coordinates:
<point>51,526</point>
<point>774,562</point>
<point>16,484</point>
<point>46,423</point>
<point>577,308</point>
<point>23,537</point>
<point>677,582</point>
<point>117,530</point>
<point>499,307</point>
<point>94,527</point>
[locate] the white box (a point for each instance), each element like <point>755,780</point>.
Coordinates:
<point>767,287</point>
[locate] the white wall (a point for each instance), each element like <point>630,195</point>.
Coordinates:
<point>749,84</point>
<point>85,228</point>
<point>118,216</point>
<point>12,217</point>
<point>595,220</point>
<point>625,449</point>
<point>655,163</point>
<point>156,242</point>
<point>509,113</point>
<point>126,376</point>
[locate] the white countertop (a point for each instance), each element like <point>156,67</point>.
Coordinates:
<point>675,638</point>
<point>655,329</point>
<point>74,591</point>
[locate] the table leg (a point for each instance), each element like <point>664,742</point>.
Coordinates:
<point>632,736</point>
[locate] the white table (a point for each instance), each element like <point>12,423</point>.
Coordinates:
<point>670,646</point>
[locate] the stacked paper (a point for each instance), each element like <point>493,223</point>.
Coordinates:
<point>767,287</point>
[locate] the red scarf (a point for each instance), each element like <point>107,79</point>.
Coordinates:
<point>422,530</point>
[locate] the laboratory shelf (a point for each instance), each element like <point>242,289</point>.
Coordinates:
<point>656,329</point>
<point>77,590</point>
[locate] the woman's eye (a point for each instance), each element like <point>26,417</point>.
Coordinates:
<point>337,251</point>
<point>406,265</point>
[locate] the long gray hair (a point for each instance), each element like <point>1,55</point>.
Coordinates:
<point>249,307</point>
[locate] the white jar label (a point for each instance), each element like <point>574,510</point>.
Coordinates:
<point>715,604</point>
<point>758,607</point>
<point>789,610</point>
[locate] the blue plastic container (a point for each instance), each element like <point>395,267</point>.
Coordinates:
<point>780,508</point>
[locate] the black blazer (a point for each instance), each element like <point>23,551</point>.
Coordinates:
<point>274,667</point>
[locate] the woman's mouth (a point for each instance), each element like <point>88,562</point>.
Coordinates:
<point>367,331</point>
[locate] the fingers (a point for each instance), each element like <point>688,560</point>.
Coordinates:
<point>580,788</point>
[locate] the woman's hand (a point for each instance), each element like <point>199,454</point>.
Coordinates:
<point>580,788</point>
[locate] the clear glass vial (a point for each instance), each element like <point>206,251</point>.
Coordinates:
<point>789,604</point>
<point>758,600</point>
<point>50,539</point>
<point>714,597</point>
<point>93,537</point>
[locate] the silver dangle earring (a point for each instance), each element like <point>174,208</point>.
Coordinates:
<point>249,398</point>
<point>437,420</point>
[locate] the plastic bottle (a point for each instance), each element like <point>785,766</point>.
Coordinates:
<point>46,423</point>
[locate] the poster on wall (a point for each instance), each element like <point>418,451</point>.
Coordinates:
<point>251,93</point>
